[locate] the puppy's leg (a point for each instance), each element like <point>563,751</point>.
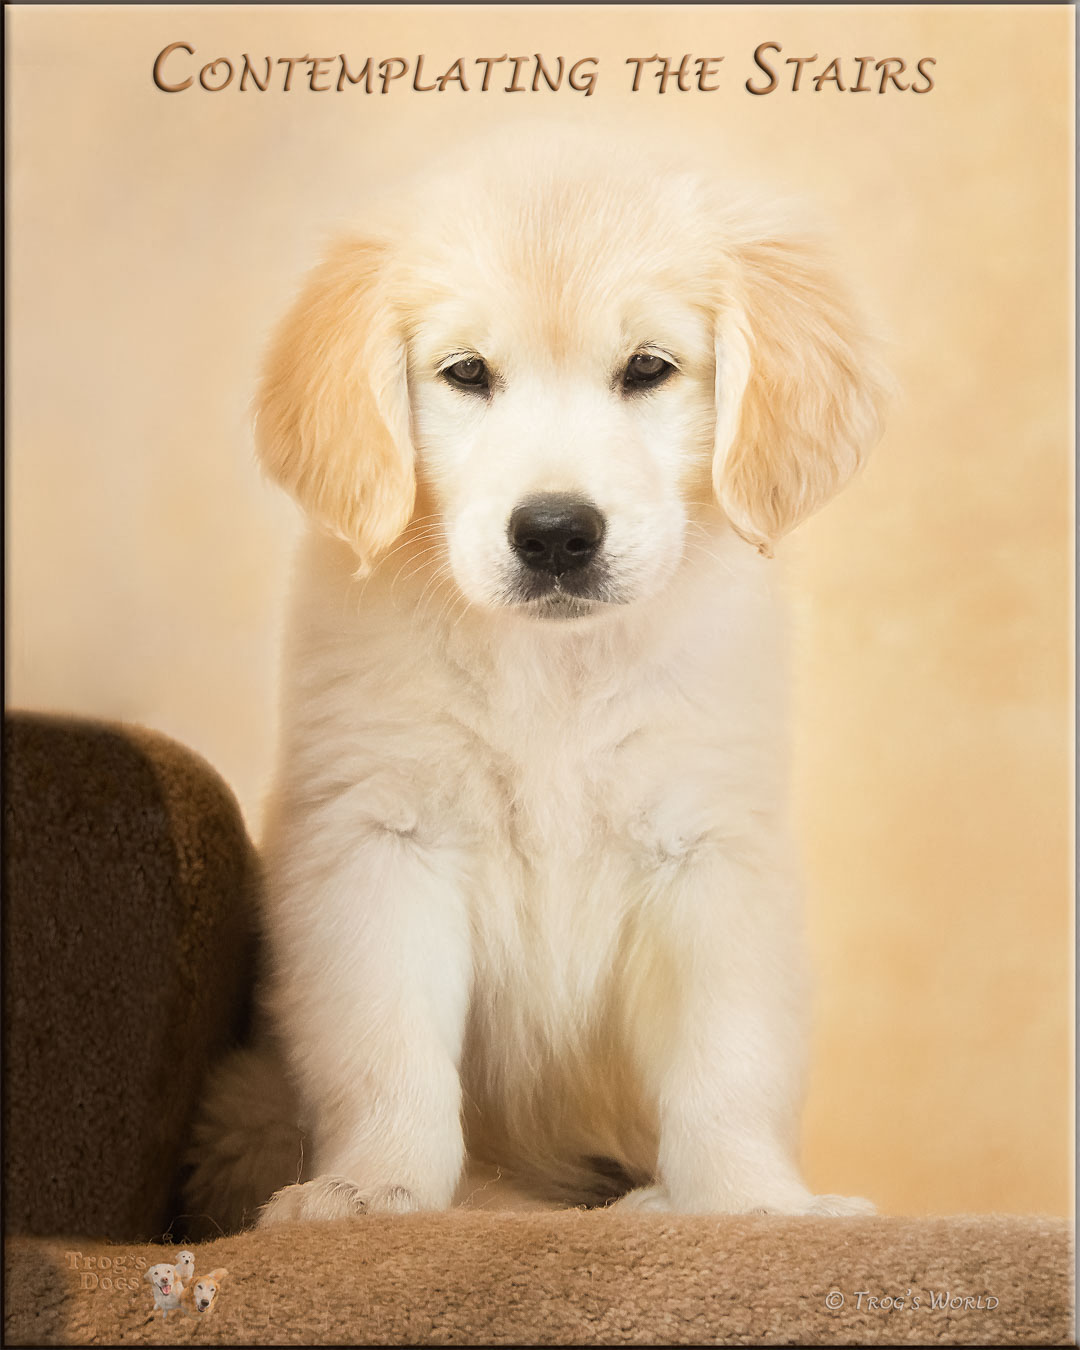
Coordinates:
<point>369,990</point>
<point>726,1064</point>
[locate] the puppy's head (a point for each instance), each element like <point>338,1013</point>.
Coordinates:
<point>575,358</point>
<point>164,1278</point>
<point>205,1290</point>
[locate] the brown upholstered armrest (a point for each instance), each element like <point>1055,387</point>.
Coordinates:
<point>127,965</point>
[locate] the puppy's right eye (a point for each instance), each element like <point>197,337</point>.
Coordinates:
<point>645,370</point>
<point>470,373</point>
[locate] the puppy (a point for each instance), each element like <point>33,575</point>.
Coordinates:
<point>530,894</point>
<point>199,1298</point>
<point>185,1266</point>
<point>166,1286</point>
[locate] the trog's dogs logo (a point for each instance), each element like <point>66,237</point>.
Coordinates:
<point>175,1286</point>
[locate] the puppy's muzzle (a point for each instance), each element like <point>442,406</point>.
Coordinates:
<point>556,534</point>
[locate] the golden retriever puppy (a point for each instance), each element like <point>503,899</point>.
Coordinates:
<point>199,1297</point>
<point>185,1266</point>
<point>530,892</point>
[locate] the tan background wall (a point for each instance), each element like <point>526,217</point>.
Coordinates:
<point>153,240</point>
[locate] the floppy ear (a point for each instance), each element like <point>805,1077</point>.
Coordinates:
<point>332,419</point>
<point>217,1275</point>
<point>798,390</point>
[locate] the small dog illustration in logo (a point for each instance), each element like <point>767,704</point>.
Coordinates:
<point>200,1297</point>
<point>166,1286</point>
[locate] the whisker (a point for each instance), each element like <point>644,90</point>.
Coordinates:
<point>433,581</point>
<point>412,567</point>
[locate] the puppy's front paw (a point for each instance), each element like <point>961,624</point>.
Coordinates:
<point>649,1199</point>
<point>655,1199</point>
<point>333,1198</point>
<point>817,1206</point>
<point>840,1206</point>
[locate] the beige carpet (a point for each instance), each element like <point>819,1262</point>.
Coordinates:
<point>595,1278</point>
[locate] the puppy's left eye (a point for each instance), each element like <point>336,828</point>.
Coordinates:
<point>645,371</point>
<point>470,373</point>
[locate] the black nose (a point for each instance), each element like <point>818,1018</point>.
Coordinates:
<point>556,534</point>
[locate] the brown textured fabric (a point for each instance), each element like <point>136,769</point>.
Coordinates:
<point>570,1277</point>
<point>127,958</point>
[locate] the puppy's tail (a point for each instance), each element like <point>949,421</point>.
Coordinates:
<point>246,1141</point>
<point>591,1182</point>
<point>547,1181</point>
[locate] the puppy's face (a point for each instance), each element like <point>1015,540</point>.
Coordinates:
<point>549,360</point>
<point>563,414</point>
<point>163,1278</point>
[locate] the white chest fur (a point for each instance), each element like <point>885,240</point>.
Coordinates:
<point>525,800</point>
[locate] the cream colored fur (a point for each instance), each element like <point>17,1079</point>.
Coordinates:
<point>530,886</point>
<point>165,1283</point>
